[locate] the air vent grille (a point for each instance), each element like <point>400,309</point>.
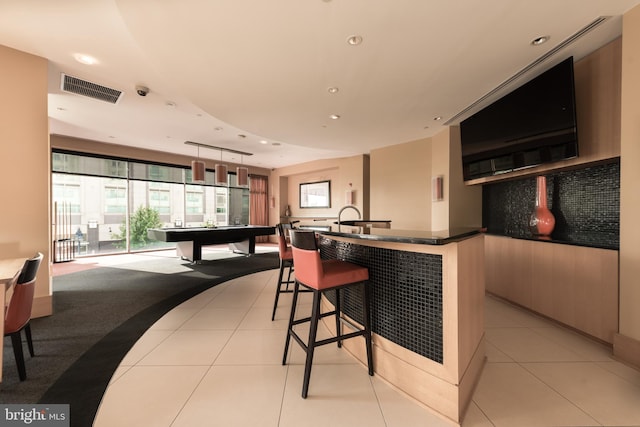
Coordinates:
<point>571,39</point>
<point>92,90</point>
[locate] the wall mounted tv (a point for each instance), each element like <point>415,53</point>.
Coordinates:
<point>534,124</point>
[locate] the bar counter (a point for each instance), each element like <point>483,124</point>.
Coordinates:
<point>427,308</point>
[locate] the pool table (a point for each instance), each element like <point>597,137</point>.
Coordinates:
<point>189,240</point>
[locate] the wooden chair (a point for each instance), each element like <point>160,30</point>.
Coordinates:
<point>18,313</point>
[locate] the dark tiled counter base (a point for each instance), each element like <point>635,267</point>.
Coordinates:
<point>405,291</point>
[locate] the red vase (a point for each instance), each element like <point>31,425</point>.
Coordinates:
<point>542,220</point>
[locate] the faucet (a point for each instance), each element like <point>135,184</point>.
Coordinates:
<point>347,207</point>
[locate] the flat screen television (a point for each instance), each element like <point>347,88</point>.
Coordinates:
<point>534,124</point>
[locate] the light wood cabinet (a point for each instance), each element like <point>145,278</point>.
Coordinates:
<point>575,285</point>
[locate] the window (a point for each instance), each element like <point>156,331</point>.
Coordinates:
<point>98,194</point>
<point>194,200</point>
<point>69,194</point>
<point>160,200</point>
<point>115,200</point>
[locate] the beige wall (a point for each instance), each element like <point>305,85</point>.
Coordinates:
<point>25,172</point>
<point>401,185</point>
<point>465,202</point>
<point>347,173</point>
<point>440,166</point>
<point>462,204</point>
<point>629,179</point>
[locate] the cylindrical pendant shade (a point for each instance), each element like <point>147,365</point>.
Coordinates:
<point>221,175</point>
<point>197,171</point>
<point>242,175</point>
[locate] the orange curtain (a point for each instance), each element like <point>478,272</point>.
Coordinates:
<point>258,203</point>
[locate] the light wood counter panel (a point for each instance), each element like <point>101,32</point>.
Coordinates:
<point>575,285</point>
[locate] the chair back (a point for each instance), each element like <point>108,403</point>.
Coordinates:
<point>282,238</point>
<point>30,269</point>
<point>18,312</point>
<point>306,257</point>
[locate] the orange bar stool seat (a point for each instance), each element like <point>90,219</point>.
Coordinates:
<point>320,276</point>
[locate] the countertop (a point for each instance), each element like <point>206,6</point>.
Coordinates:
<point>421,237</point>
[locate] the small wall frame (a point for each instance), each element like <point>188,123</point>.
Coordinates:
<point>315,194</point>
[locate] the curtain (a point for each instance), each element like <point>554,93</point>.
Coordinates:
<point>258,203</point>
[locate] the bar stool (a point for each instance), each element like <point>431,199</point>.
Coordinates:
<point>286,261</point>
<point>320,276</point>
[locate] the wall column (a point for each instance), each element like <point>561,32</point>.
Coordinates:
<point>26,172</point>
<point>627,342</point>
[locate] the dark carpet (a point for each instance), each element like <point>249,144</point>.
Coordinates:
<point>98,315</point>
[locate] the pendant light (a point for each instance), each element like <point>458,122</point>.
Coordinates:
<point>242,175</point>
<point>220,176</point>
<point>221,172</point>
<point>197,170</point>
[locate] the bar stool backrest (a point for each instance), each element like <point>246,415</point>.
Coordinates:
<point>306,257</point>
<point>282,239</point>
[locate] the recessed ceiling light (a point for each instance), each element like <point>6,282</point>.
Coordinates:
<point>539,40</point>
<point>170,104</point>
<point>334,117</point>
<point>218,128</point>
<point>354,40</point>
<point>85,59</point>
<point>333,89</point>
<point>437,118</point>
<point>263,141</point>
<point>275,144</point>
<point>242,136</point>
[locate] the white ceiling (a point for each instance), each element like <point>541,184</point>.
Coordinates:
<point>262,68</point>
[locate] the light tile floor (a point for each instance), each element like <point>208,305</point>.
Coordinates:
<point>215,360</point>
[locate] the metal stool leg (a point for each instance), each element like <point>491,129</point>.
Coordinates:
<point>278,289</point>
<point>338,323</point>
<point>367,326</point>
<point>311,345</point>
<point>294,302</point>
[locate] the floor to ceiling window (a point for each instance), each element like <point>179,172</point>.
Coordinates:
<point>104,205</point>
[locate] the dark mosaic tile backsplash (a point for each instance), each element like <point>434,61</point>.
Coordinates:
<point>585,203</point>
<point>405,291</point>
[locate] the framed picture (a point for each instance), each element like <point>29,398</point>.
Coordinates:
<point>315,194</point>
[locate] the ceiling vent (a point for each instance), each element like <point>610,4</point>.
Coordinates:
<point>92,90</point>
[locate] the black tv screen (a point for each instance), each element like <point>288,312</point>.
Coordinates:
<point>534,124</point>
